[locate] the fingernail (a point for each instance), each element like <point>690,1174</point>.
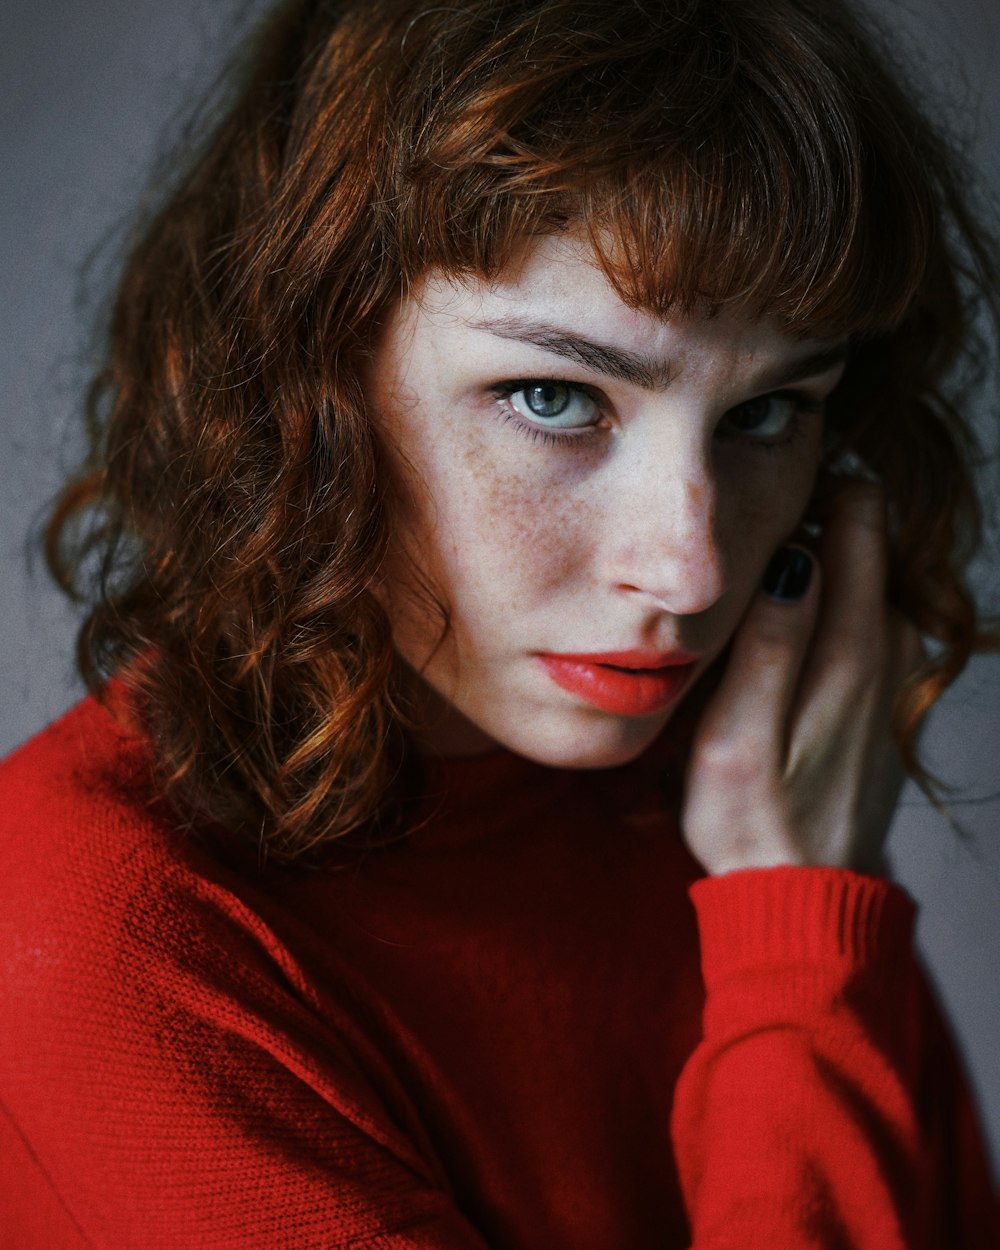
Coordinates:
<point>787,576</point>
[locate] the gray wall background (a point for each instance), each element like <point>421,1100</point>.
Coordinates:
<point>86,88</point>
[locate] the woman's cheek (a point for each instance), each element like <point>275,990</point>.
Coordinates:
<point>519,527</point>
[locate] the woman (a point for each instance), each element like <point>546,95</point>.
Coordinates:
<point>522,476</point>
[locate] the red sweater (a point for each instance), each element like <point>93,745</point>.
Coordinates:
<point>530,1026</point>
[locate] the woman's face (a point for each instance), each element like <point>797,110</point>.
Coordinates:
<point>592,492</point>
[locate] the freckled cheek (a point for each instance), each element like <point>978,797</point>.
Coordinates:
<point>490,529</point>
<point>511,536</point>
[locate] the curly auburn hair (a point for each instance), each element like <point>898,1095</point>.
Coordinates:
<point>759,156</point>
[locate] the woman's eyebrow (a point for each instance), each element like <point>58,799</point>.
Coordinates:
<point>634,367</point>
<point>615,362</point>
<point>807,366</point>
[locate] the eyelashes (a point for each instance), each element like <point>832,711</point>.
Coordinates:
<point>550,410</point>
<point>771,421</point>
<point>559,413</point>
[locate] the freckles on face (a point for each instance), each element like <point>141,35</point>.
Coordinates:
<point>502,510</point>
<point>486,524</point>
<point>486,535</point>
<point>575,477</point>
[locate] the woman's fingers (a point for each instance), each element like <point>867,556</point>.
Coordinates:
<point>843,681</point>
<point>885,775</point>
<point>751,706</point>
<point>854,553</point>
<point>735,776</point>
<point>849,647</point>
<point>793,760</point>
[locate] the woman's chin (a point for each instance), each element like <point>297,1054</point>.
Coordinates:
<point>572,740</point>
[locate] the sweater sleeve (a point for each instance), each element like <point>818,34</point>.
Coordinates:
<point>824,1106</point>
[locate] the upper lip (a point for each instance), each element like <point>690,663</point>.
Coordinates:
<point>628,659</point>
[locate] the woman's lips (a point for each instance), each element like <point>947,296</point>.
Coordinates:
<point>625,683</point>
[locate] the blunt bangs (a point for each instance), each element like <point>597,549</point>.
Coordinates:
<point>752,156</point>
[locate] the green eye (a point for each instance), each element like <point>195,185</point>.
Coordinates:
<point>553,405</point>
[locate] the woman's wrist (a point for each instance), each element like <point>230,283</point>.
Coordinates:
<point>808,917</point>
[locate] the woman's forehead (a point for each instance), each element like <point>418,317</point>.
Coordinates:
<point>556,295</point>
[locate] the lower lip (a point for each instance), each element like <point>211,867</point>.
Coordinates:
<point>624,692</point>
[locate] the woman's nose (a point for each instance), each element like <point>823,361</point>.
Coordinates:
<point>669,548</point>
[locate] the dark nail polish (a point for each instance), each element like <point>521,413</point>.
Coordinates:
<point>787,576</point>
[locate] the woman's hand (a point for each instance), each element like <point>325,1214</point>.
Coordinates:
<point>792,760</point>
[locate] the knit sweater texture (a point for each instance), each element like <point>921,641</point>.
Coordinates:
<point>533,1024</point>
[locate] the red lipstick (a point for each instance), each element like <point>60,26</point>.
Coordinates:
<point>625,683</point>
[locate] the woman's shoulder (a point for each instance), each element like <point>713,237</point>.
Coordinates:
<point>81,821</point>
<point>98,876</point>
<point>158,1025</point>
<point>76,772</point>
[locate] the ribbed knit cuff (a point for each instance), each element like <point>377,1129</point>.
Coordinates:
<point>803,917</point>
